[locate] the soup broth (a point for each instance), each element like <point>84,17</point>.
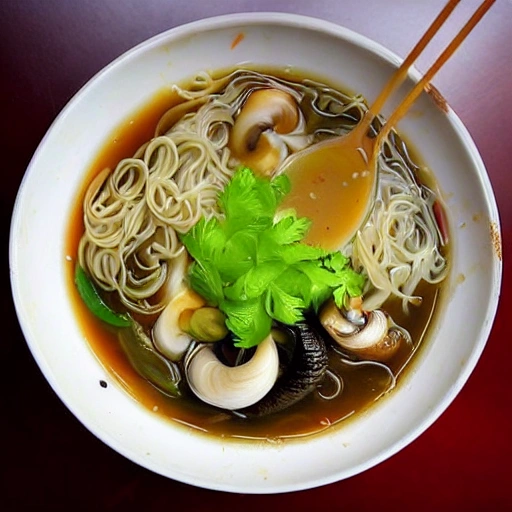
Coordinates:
<point>351,383</point>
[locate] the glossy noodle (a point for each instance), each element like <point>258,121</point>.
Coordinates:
<point>244,326</point>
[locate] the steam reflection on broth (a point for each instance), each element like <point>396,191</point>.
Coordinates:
<point>177,356</point>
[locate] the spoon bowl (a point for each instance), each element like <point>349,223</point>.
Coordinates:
<point>332,177</point>
<point>340,174</point>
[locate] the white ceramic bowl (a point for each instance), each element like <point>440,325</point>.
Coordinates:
<point>50,187</point>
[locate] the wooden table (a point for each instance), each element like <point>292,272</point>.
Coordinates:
<point>49,49</point>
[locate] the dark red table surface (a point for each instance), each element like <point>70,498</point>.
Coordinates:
<point>48,50</point>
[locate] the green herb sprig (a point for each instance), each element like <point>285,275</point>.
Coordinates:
<point>252,265</point>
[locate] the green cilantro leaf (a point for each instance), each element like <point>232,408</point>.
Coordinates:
<point>237,256</point>
<point>205,239</point>
<point>352,284</point>
<point>282,306</point>
<point>248,321</point>
<point>288,229</point>
<point>296,253</point>
<point>252,264</point>
<point>281,186</point>
<point>205,279</point>
<point>254,283</point>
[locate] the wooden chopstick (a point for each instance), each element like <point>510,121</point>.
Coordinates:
<point>406,103</point>
<point>400,74</point>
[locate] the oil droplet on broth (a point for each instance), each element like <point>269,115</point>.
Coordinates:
<point>334,194</point>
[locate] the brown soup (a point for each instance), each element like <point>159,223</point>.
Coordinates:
<point>362,384</point>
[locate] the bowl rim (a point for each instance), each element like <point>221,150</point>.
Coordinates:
<point>295,21</point>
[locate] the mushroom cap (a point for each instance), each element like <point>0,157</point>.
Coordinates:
<point>376,340</point>
<point>254,137</point>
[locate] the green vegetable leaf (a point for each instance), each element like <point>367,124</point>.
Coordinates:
<point>289,229</point>
<point>296,253</point>
<point>248,321</point>
<point>238,255</point>
<point>336,261</point>
<point>318,274</point>
<point>282,306</point>
<point>206,280</point>
<point>95,303</point>
<point>252,265</point>
<point>319,294</point>
<point>148,363</point>
<point>248,203</point>
<point>352,284</point>
<point>205,240</point>
<point>281,186</point>
<point>297,284</point>
<point>254,283</point>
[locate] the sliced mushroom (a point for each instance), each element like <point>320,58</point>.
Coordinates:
<point>232,387</point>
<point>168,336</point>
<point>375,340</point>
<point>254,139</point>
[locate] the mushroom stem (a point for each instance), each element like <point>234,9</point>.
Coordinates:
<point>334,322</point>
<point>375,329</point>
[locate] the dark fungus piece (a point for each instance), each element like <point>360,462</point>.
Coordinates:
<point>305,370</point>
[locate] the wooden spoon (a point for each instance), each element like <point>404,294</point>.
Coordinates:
<point>334,182</point>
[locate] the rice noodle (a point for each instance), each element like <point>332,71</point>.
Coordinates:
<point>400,244</point>
<point>133,215</point>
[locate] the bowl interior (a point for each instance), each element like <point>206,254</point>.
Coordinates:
<point>56,173</point>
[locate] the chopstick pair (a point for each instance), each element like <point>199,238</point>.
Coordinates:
<point>399,76</point>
